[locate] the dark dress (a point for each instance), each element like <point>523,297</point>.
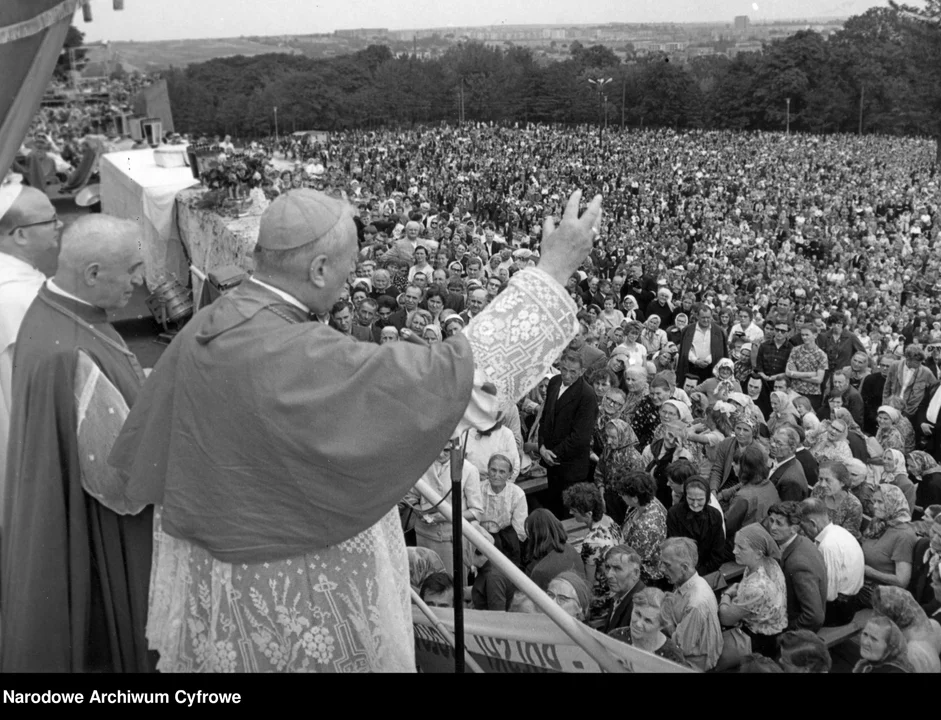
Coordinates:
<point>704,528</point>
<point>543,571</point>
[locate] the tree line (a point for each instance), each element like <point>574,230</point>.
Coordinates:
<point>881,73</point>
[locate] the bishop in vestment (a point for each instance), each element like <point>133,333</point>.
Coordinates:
<point>277,449</point>
<point>75,572</point>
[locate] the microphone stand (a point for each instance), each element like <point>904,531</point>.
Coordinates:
<point>457,540</point>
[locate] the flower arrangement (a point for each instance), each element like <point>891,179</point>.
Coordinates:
<point>239,172</point>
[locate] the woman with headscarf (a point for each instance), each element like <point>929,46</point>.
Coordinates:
<point>882,648</point>
<point>697,517</point>
<point>895,472</point>
<point>721,384</point>
<point>832,443</point>
<point>756,492</point>
<point>843,507</point>
<point>895,431</point>
<point>631,310</point>
<point>659,454</point>
<point>757,604</point>
<point>635,385</point>
<point>857,441</point>
<point>619,456</point>
<point>570,592</point>
<point>422,562</point>
<point>782,412</point>
<point>927,473</point>
<point>724,475</point>
<point>888,542</point>
<point>744,403</point>
<point>922,634</point>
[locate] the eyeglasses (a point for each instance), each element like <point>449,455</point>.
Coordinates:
<point>560,598</point>
<point>53,220</point>
<point>780,329</point>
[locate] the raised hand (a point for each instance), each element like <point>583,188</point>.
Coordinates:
<point>566,246</point>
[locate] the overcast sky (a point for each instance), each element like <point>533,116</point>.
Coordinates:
<point>177,19</point>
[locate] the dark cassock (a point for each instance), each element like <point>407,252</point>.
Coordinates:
<point>277,450</point>
<point>75,574</point>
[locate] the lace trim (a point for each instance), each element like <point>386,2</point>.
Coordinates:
<point>43,21</point>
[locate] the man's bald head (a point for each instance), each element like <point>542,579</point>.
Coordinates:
<point>30,230</point>
<point>100,261</point>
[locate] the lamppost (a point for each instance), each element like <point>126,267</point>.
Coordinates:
<point>276,126</point>
<point>788,130</point>
<point>600,84</point>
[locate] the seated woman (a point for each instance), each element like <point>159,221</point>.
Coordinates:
<point>782,412</point>
<point>422,562</point>
<point>548,552</point>
<point>757,604</point>
<point>895,472</point>
<point>645,525</point>
<point>804,652</point>
<point>723,382</point>
<point>619,456</point>
<point>832,442</point>
<point>843,507</point>
<point>504,507</point>
<point>859,484</point>
<point>660,454</point>
<point>895,431</point>
<point>927,473</point>
<point>570,593</point>
<point>922,635</point>
<point>699,518</point>
<point>584,502</point>
<point>755,494</point>
<point>646,628</point>
<point>888,542</point>
<point>882,648</point>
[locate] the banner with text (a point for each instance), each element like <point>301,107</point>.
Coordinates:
<point>521,643</point>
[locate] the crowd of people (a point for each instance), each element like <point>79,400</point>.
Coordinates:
<point>756,368</point>
<point>752,390</point>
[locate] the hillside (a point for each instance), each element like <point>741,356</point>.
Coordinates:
<point>151,56</point>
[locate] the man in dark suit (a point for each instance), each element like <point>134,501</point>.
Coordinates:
<point>805,572</point>
<point>787,474</point>
<point>852,400</point>
<point>622,569</point>
<point>568,420</point>
<point>491,243</point>
<point>701,346</point>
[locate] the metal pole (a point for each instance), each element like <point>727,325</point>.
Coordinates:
<point>569,625</point>
<point>623,98</point>
<point>457,541</point>
<point>788,130</point>
<point>276,126</point>
<point>439,626</point>
<point>862,92</point>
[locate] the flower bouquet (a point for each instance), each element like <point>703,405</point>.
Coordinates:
<point>231,177</point>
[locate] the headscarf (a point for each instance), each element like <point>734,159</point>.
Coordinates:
<point>900,467</point>
<point>900,606</point>
<point>896,511</point>
<point>579,586</point>
<point>896,649</point>
<point>847,417</point>
<point>893,414</point>
<point>759,539</point>
<point>844,432</point>
<point>723,363</point>
<point>685,415</point>
<point>626,436</point>
<point>744,417</point>
<point>434,329</point>
<point>680,428</point>
<point>921,463</point>
<point>422,562</point>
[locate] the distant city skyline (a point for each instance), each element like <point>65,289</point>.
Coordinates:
<point>148,20</point>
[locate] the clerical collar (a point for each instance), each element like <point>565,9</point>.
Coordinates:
<point>50,284</point>
<point>287,297</point>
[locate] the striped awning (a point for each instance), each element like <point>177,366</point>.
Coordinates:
<point>32,33</point>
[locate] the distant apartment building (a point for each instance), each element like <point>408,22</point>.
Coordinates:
<point>746,47</point>
<point>362,33</point>
<point>741,24</point>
